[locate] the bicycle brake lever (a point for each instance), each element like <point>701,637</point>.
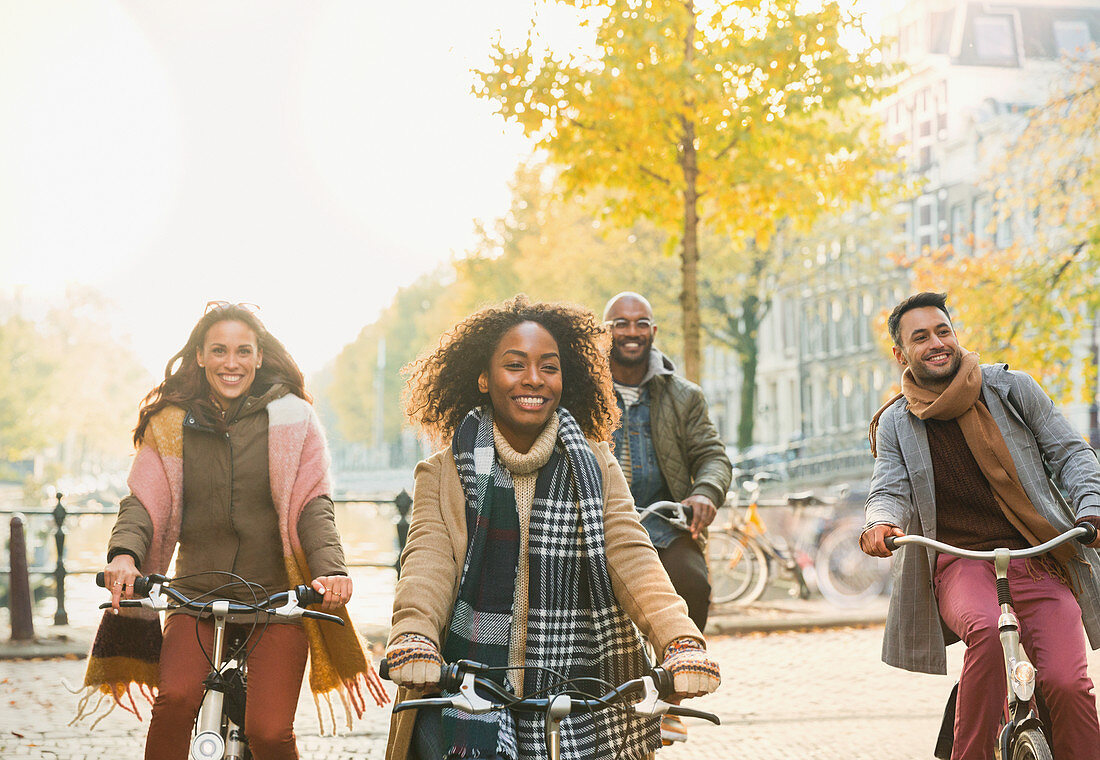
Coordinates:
<point>651,704</point>
<point>290,609</point>
<point>475,704</point>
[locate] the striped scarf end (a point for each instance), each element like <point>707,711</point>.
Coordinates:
<point>100,700</point>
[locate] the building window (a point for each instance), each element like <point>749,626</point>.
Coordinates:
<point>983,219</point>
<point>995,40</point>
<point>1003,234</point>
<point>958,226</point>
<point>1071,36</point>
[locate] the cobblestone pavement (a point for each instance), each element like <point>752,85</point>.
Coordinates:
<point>815,695</point>
<point>807,695</point>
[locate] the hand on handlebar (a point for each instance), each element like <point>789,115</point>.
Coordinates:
<point>335,588</point>
<point>414,661</point>
<point>118,578</point>
<point>1094,522</point>
<point>873,540</point>
<point>693,672</point>
<point>702,513</point>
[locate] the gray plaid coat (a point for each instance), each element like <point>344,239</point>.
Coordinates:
<point>903,494</point>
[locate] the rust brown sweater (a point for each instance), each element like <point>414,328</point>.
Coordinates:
<point>967,513</point>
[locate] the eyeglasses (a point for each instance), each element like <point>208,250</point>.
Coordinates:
<point>622,324</point>
<point>219,305</point>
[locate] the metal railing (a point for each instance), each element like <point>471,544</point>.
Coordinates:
<point>402,504</point>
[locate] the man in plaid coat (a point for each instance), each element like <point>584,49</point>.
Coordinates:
<point>963,456</point>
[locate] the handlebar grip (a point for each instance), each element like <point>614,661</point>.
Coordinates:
<point>687,712</point>
<point>891,544</point>
<point>384,669</point>
<point>1090,533</point>
<point>662,679</point>
<point>308,595</point>
<point>142,584</point>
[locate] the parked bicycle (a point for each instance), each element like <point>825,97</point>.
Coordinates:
<point>743,556</point>
<point>1023,733</point>
<point>219,729</point>
<point>475,693</point>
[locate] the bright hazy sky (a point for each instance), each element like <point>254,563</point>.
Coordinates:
<point>309,157</point>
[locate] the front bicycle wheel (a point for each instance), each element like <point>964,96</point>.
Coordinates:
<point>737,567</point>
<point>846,576</point>
<point>1030,744</point>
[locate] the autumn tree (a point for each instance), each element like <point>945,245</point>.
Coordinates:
<point>1028,276</point>
<point>69,385</point>
<point>723,116</point>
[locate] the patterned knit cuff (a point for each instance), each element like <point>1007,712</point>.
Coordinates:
<point>683,644</point>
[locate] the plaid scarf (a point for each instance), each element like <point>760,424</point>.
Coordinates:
<point>575,626</point>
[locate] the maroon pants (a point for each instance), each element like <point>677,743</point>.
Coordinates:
<point>275,669</point>
<point>1052,635</point>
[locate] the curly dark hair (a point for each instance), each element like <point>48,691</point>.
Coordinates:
<point>185,382</point>
<point>441,387</point>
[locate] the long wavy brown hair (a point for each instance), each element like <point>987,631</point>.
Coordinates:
<point>185,382</point>
<point>441,387</point>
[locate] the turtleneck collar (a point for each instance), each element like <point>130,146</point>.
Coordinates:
<point>524,464</point>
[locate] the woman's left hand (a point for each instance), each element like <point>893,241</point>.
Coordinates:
<point>693,672</point>
<point>337,591</point>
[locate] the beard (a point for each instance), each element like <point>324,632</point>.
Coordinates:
<point>617,355</point>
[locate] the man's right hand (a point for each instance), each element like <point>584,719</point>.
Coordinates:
<point>873,540</point>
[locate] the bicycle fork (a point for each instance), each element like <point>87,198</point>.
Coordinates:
<point>1019,671</point>
<point>209,742</point>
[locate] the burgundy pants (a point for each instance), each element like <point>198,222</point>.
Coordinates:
<point>275,669</point>
<point>1052,635</point>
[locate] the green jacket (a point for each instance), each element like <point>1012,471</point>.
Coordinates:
<point>229,520</point>
<point>690,453</point>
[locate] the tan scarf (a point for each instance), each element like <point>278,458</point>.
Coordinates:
<point>960,402</point>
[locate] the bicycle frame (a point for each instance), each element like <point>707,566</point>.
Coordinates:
<point>1020,673</point>
<point>214,739</point>
<point>218,735</point>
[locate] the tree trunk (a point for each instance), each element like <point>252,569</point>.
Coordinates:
<point>748,355</point>
<point>689,253</point>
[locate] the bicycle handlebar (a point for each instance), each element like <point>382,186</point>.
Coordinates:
<point>464,675</point>
<point>286,604</point>
<point>673,511</point>
<point>1085,533</point>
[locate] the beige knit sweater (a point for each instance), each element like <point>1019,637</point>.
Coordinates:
<point>525,471</point>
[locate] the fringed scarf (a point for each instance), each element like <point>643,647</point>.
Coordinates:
<point>961,401</point>
<point>574,623</point>
<point>126,649</point>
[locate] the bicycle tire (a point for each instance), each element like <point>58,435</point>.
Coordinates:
<point>846,576</point>
<point>1031,744</point>
<point>737,567</point>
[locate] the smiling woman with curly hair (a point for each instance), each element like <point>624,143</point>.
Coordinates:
<point>525,550</point>
<point>442,385</point>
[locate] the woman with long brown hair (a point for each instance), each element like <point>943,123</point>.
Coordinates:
<point>231,476</point>
<point>525,549</point>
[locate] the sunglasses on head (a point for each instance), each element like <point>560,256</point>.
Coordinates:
<point>219,305</point>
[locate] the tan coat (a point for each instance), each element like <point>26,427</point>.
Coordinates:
<point>431,567</point>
